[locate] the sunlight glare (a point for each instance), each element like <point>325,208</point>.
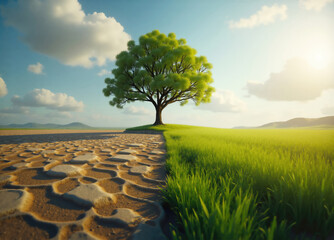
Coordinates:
<point>319,59</point>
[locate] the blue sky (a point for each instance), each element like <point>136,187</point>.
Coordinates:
<point>272,60</point>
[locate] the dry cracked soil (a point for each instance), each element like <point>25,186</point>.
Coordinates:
<point>81,185</point>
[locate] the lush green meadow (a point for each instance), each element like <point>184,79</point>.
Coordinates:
<point>250,184</point>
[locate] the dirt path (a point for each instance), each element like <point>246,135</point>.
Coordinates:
<point>81,185</point>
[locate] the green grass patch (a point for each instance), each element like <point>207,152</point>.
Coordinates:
<point>250,183</point>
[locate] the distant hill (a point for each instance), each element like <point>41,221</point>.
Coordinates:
<point>302,122</point>
<point>73,125</point>
<point>324,122</point>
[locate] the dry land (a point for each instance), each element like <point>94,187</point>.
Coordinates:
<point>81,184</point>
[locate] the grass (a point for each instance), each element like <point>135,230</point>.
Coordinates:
<point>250,183</point>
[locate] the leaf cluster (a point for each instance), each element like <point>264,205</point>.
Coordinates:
<point>160,69</point>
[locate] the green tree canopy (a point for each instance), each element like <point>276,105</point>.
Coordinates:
<point>162,70</point>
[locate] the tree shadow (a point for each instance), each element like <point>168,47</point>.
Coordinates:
<point>153,132</point>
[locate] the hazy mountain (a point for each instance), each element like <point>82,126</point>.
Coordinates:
<point>73,125</point>
<point>299,122</point>
<point>302,122</point>
<point>76,125</point>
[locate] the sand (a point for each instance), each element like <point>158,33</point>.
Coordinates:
<point>125,170</point>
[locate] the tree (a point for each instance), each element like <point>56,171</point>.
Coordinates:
<point>161,70</point>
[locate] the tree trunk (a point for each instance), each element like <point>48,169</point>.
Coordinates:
<point>158,120</point>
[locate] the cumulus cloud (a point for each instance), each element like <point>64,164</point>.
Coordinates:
<point>62,30</point>
<point>36,68</point>
<point>264,16</point>
<point>224,101</point>
<point>298,81</point>
<point>14,110</point>
<point>3,88</point>
<point>133,110</point>
<point>45,98</point>
<point>103,72</point>
<point>329,110</point>
<point>316,5</point>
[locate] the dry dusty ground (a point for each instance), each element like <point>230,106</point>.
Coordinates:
<point>65,184</point>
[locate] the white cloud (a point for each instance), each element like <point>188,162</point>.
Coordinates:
<point>137,110</point>
<point>103,72</point>
<point>3,88</point>
<point>45,98</point>
<point>264,16</point>
<point>14,110</point>
<point>61,29</point>
<point>316,5</point>
<point>36,68</point>
<point>329,110</point>
<point>224,101</point>
<point>298,81</point>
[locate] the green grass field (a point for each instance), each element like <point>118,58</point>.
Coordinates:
<point>250,184</point>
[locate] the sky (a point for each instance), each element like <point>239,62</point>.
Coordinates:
<point>272,60</point>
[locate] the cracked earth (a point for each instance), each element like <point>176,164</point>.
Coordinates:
<point>81,185</point>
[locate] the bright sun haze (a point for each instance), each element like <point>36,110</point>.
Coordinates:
<point>320,59</point>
